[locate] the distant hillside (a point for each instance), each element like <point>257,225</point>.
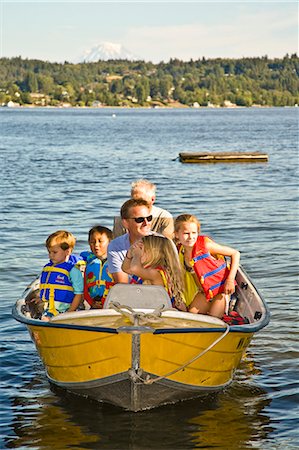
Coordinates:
<point>204,82</point>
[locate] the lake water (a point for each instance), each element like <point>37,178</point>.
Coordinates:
<point>72,169</point>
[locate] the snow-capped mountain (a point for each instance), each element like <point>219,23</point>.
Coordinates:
<point>105,51</point>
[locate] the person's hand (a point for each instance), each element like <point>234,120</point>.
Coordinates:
<point>97,304</point>
<point>137,249</point>
<point>229,286</point>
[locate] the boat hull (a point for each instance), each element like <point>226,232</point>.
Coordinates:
<point>127,389</point>
<point>139,364</point>
<point>133,369</point>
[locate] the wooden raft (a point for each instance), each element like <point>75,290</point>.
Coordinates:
<point>215,157</point>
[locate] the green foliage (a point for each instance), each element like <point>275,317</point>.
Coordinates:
<point>244,82</point>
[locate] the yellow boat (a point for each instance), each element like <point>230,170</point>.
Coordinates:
<point>138,352</point>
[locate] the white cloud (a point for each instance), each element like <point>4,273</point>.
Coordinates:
<point>246,35</point>
<point>185,30</point>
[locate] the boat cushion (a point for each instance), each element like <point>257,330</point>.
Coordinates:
<point>138,296</point>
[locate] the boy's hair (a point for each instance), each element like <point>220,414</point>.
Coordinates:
<point>63,238</point>
<point>101,230</point>
<point>186,218</point>
<point>160,252</point>
<point>124,211</point>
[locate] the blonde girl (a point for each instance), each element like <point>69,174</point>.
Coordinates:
<point>187,234</point>
<point>154,260</point>
<point>186,230</point>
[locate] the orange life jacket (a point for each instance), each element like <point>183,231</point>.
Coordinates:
<point>211,272</point>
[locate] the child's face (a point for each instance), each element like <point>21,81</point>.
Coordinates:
<point>187,234</point>
<point>57,255</point>
<point>98,244</point>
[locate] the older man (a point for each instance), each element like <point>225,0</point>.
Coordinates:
<point>162,221</point>
<point>136,218</point>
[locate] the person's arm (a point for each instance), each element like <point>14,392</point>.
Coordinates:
<point>214,248</point>
<point>127,262</point>
<point>120,277</point>
<point>75,303</point>
<point>164,225</point>
<point>167,228</point>
<point>115,259</point>
<point>76,278</point>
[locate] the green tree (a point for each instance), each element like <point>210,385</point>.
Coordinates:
<point>166,84</point>
<point>32,84</point>
<point>45,84</point>
<point>244,81</point>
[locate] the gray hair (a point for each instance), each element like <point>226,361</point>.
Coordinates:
<point>143,185</point>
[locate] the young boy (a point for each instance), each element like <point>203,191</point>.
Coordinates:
<point>61,284</point>
<point>97,279</point>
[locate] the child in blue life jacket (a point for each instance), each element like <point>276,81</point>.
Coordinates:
<point>97,279</point>
<point>61,282</point>
<point>204,260</point>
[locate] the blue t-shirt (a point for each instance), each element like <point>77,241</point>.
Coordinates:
<point>117,250</point>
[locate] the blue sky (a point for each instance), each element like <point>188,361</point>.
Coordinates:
<point>154,31</point>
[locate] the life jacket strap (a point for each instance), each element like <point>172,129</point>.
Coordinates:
<point>56,286</point>
<point>212,272</point>
<point>199,258</point>
<point>56,269</point>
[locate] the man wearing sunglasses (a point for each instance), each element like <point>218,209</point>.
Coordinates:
<point>136,218</point>
<point>162,221</point>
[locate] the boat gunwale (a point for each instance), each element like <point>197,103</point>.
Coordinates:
<point>266,316</point>
<point>245,328</point>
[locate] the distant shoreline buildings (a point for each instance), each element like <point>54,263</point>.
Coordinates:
<point>228,83</point>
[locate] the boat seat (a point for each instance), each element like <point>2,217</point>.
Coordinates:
<point>138,296</point>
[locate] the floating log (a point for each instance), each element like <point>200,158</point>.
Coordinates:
<point>215,157</point>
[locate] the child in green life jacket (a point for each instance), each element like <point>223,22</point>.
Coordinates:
<point>61,282</point>
<point>97,279</point>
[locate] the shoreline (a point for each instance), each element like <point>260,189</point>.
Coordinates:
<point>177,106</point>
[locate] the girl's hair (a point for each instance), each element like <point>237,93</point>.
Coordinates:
<point>101,230</point>
<point>63,238</point>
<point>160,252</point>
<point>186,218</point>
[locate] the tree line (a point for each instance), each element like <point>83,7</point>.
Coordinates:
<point>203,82</point>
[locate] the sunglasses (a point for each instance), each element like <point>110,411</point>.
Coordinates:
<point>142,219</point>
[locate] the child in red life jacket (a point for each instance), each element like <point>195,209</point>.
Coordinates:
<point>97,279</point>
<point>186,229</point>
<point>61,283</point>
<point>212,272</point>
<point>155,261</point>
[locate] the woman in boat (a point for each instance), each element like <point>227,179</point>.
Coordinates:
<point>154,260</point>
<point>212,276</point>
<point>97,279</point>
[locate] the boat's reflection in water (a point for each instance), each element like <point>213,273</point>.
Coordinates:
<point>232,419</point>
